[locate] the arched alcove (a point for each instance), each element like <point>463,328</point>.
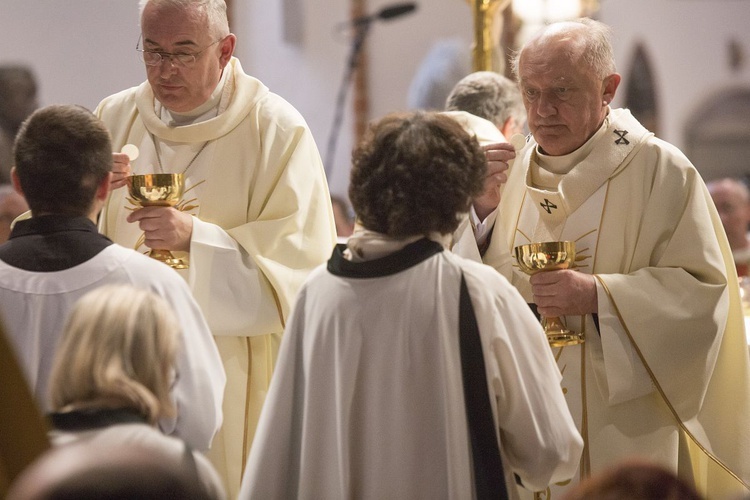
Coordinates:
<point>640,90</point>
<point>717,135</point>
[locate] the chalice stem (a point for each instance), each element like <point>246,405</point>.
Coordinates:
<point>168,258</point>
<point>553,324</point>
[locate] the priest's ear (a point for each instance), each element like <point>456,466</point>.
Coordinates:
<point>609,88</point>
<point>226,46</point>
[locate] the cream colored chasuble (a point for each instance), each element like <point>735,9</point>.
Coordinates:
<point>568,206</point>
<point>616,401</point>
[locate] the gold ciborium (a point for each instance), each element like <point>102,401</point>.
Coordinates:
<point>533,258</point>
<point>158,190</point>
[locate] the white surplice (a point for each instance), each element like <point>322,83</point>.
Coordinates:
<point>367,399</point>
<point>35,305</point>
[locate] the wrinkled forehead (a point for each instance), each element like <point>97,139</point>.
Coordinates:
<point>555,54</point>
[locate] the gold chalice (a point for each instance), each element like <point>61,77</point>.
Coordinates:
<point>158,190</point>
<point>533,258</point>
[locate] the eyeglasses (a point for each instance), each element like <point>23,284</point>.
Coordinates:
<point>181,59</point>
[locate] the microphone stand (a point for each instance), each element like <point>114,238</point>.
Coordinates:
<point>361,30</point>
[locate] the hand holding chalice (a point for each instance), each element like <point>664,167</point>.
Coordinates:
<point>158,190</point>
<point>549,256</point>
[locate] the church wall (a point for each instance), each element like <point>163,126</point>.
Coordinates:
<point>83,50</point>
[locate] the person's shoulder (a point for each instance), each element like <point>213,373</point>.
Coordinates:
<point>478,272</point>
<point>118,99</point>
<point>145,269</point>
<point>113,110</point>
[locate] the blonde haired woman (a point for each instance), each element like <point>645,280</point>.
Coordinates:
<point>112,374</point>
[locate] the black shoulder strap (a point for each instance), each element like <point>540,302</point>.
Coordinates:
<point>489,477</point>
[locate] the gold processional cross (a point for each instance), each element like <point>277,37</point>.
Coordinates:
<point>488,26</point>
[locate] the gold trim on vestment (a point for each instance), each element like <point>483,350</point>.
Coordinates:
<point>663,395</point>
<point>245,450</point>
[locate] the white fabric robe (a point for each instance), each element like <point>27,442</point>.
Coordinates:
<point>668,377</point>
<point>34,307</point>
<point>367,399</point>
<point>262,222</point>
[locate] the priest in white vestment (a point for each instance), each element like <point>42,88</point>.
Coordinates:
<point>663,372</point>
<point>256,216</point>
<point>368,400</point>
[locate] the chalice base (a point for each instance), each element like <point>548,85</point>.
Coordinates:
<point>168,258</point>
<point>558,335</point>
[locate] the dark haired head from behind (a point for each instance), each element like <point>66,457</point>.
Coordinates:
<point>634,480</point>
<point>414,173</point>
<point>62,155</point>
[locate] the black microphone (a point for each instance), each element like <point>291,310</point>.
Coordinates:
<point>387,13</point>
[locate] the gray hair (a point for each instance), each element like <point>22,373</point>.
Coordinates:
<point>488,95</point>
<point>216,12</point>
<point>593,40</point>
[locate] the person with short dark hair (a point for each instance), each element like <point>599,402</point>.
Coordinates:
<point>63,158</point>
<point>634,479</point>
<point>406,371</point>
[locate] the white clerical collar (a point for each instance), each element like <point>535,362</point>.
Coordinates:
<point>547,171</point>
<point>206,111</point>
<point>563,164</point>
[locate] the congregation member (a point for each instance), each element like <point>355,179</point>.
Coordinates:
<point>18,99</point>
<point>732,199</point>
<point>12,205</point>
<point>663,369</point>
<point>111,376</point>
<point>256,215</point>
<point>488,105</point>
<point>63,163</point>
<point>406,371</point>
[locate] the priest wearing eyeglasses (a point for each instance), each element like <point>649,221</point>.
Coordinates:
<point>256,214</point>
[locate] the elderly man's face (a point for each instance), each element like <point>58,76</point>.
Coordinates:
<point>565,101</point>
<point>171,30</point>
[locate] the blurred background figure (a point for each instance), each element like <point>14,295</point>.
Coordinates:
<point>634,480</point>
<point>18,99</point>
<point>489,107</point>
<point>344,217</point>
<point>447,61</point>
<point>491,96</point>
<point>12,205</point>
<point>732,199</point>
<point>92,471</point>
<point>111,379</point>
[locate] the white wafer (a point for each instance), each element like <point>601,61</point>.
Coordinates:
<point>131,150</point>
<point>518,141</point>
